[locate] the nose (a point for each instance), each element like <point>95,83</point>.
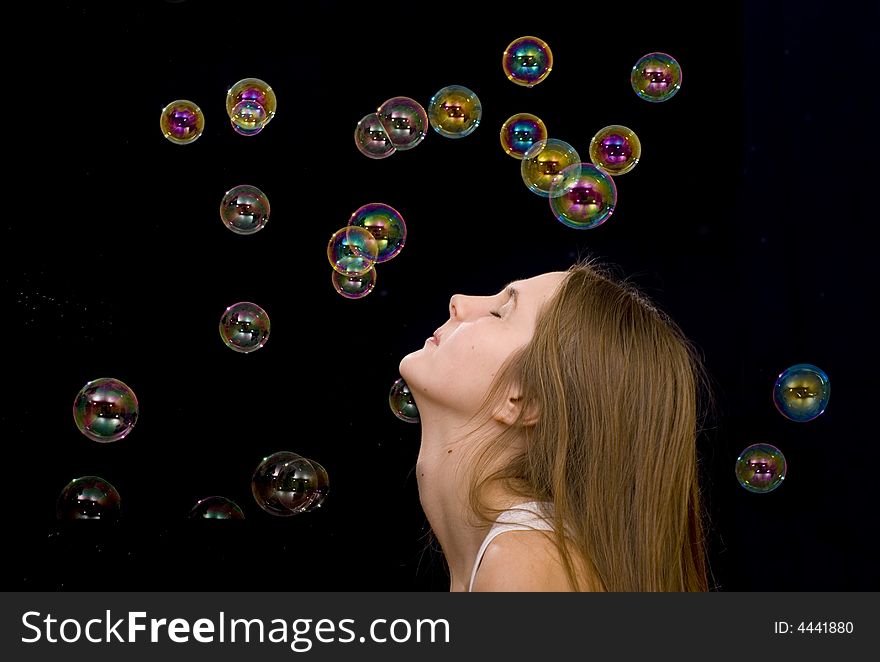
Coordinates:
<point>462,307</point>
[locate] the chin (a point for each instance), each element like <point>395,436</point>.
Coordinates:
<point>407,367</point>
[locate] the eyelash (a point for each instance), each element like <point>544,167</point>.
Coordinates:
<point>496,314</point>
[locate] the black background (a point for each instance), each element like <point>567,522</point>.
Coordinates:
<point>746,220</point>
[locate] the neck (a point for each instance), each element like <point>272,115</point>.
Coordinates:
<point>442,471</point>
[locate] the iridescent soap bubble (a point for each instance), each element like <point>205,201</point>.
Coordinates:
<point>588,202</point>
<point>244,209</point>
<point>284,484</point>
<point>354,287</point>
<point>543,165</point>
<point>105,410</point>
<point>615,149</point>
<point>801,392</point>
<point>404,120</point>
<point>527,61</point>
<point>89,497</point>
<point>656,77</point>
<point>322,488</point>
<point>252,89</point>
<point>352,250</point>
<point>244,327</point>
<point>455,111</point>
<point>761,468</point>
<point>371,138</point>
<point>520,132</point>
<point>182,122</point>
<point>387,226</point>
<point>402,402</point>
<point>216,507</point>
<point>248,117</point>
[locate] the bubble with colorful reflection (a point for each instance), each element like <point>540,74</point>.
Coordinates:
<point>244,327</point>
<point>543,164</point>
<point>521,131</point>
<point>402,402</point>
<point>387,226</point>
<point>527,61</point>
<point>404,120</point>
<point>105,410</point>
<point>216,507</point>
<point>354,287</point>
<point>244,209</point>
<point>248,118</point>
<point>371,138</point>
<point>182,122</point>
<point>656,77</point>
<point>284,484</point>
<point>352,251</point>
<point>615,149</point>
<point>455,111</point>
<point>589,198</point>
<point>761,468</point>
<point>88,497</point>
<point>801,392</point>
<point>256,90</point>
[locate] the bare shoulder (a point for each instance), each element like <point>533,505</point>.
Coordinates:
<point>521,561</point>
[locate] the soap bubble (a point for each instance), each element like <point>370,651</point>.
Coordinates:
<point>386,225</point>
<point>89,497</point>
<point>801,392</point>
<point>352,251</point>
<point>455,111</point>
<point>543,164</point>
<point>252,89</point>
<point>244,209</point>
<point>761,468</point>
<point>248,117</point>
<point>354,287</point>
<point>527,61</point>
<point>322,488</point>
<point>404,120</point>
<point>520,132</point>
<point>216,507</point>
<point>371,139</point>
<point>105,410</point>
<point>587,202</point>
<point>182,122</point>
<point>615,149</point>
<point>402,403</point>
<point>284,484</point>
<point>656,77</point>
<point>244,327</point>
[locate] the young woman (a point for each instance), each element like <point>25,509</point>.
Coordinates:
<point>559,423</point>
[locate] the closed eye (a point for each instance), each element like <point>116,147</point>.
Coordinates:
<point>495,313</point>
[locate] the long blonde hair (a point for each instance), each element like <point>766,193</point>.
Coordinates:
<point>618,390</point>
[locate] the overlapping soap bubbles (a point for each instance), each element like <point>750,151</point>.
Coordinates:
<point>251,105</point>
<point>286,484</point>
<point>399,124</point>
<point>402,403</point>
<point>375,233</point>
<point>105,410</point>
<point>543,165</point>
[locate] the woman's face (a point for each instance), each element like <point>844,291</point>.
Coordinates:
<point>458,363</point>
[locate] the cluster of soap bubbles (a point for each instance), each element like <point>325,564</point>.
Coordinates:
<point>286,484</point>
<point>399,124</point>
<point>250,104</point>
<point>375,233</point>
<point>801,394</point>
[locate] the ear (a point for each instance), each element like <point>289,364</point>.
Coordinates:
<point>509,410</point>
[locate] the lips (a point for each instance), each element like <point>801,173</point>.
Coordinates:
<point>436,337</point>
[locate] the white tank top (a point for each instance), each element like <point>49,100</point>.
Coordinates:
<point>516,519</point>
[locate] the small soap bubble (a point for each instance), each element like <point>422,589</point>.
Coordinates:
<point>105,410</point>
<point>520,132</point>
<point>404,120</point>
<point>656,77</point>
<point>352,251</point>
<point>761,468</point>
<point>216,507</point>
<point>322,488</point>
<point>182,122</point>
<point>527,61</point>
<point>244,327</point>
<point>543,165</point>
<point>284,484</point>
<point>615,149</point>
<point>801,392</point>
<point>89,497</point>
<point>354,287</point>
<point>371,139</point>
<point>455,111</point>
<point>402,402</point>
<point>588,202</point>
<point>387,226</point>
<point>252,89</point>
<point>248,117</point>
<point>244,209</point>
